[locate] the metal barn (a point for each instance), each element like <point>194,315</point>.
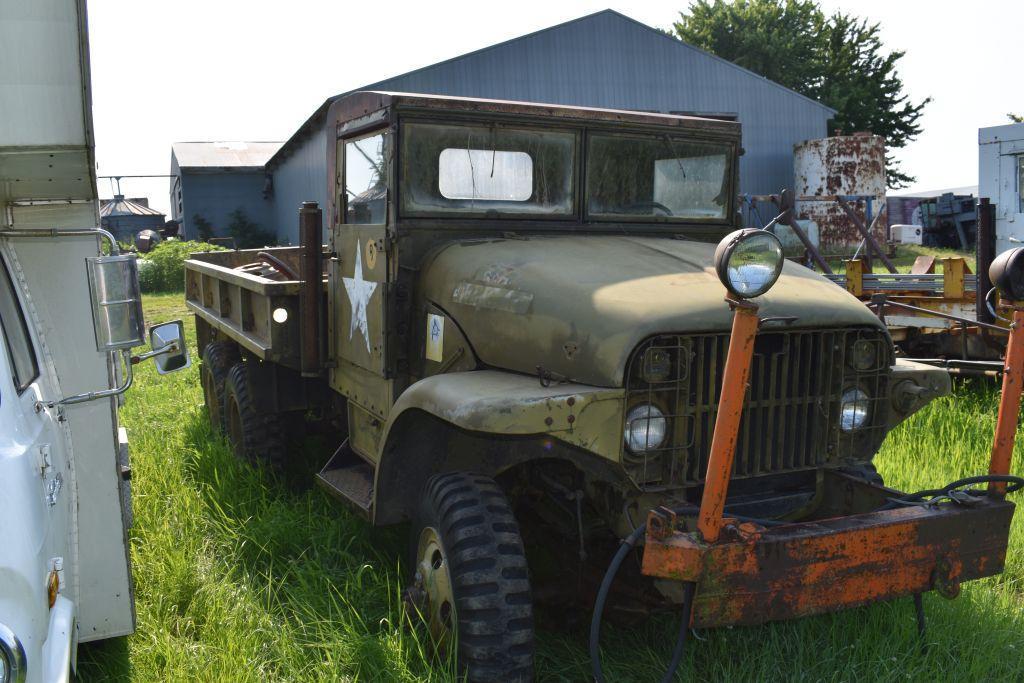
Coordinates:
<point>212,180</point>
<point>600,60</point>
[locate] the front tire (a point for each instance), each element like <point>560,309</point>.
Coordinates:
<point>255,435</point>
<point>470,576</point>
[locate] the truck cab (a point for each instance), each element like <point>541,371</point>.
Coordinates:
<point>523,347</point>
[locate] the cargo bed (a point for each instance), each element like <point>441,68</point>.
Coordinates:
<point>258,311</point>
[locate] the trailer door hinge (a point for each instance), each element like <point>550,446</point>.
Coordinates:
<point>43,462</point>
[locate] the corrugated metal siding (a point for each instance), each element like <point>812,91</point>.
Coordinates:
<point>214,196</point>
<point>603,60</point>
<point>300,178</point>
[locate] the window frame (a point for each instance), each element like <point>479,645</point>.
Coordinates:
<point>730,175</point>
<point>574,215</point>
<point>388,134</point>
<point>20,384</point>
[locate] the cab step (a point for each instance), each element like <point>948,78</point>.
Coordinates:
<point>349,478</point>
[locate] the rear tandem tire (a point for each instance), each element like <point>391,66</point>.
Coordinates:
<point>467,550</point>
<point>218,358</point>
<point>254,435</point>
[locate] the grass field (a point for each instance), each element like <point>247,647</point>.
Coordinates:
<point>240,576</point>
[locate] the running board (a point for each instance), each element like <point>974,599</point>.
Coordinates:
<point>349,478</point>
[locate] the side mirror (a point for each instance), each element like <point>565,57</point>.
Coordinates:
<point>168,347</point>
<point>116,302</point>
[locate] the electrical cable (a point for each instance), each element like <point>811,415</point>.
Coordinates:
<point>602,596</point>
<point>1014,484</point>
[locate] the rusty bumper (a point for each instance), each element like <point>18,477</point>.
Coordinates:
<point>754,575</point>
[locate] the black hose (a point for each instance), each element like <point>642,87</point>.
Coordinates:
<point>1014,484</point>
<point>602,596</point>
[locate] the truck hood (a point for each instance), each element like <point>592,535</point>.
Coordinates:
<point>579,305</point>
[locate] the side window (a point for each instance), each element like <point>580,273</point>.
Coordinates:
<point>15,331</point>
<point>366,180</point>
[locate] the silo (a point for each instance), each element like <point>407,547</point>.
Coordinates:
<point>843,165</point>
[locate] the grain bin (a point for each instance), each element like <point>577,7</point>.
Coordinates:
<point>844,165</point>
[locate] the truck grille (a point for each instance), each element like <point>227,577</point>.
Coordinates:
<point>791,418</point>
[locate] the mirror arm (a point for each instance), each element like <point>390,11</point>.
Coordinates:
<point>93,395</point>
<point>169,347</point>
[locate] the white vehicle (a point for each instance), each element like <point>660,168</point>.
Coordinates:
<point>65,506</point>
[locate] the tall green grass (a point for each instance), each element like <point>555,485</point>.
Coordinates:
<point>244,577</point>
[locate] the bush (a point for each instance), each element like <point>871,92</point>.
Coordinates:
<point>163,269</point>
<point>248,235</point>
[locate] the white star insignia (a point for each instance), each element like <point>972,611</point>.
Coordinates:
<point>359,293</point>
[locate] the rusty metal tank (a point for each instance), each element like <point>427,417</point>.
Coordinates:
<point>844,165</point>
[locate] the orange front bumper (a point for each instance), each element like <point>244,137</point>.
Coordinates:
<point>753,575</point>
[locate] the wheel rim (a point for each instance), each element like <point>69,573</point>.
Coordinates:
<point>434,580</point>
<point>210,396</point>
<point>234,426</point>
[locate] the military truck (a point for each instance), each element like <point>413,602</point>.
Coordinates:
<point>518,329</point>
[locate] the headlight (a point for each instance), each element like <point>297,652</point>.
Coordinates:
<point>854,409</point>
<point>13,668</point>
<point>863,355</point>
<point>1007,273</point>
<point>748,262</point>
<point>646,428</point>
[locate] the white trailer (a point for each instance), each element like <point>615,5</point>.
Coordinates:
<point>68,319</point>
<point>1001,179</point>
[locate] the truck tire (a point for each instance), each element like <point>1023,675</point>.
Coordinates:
<point>218,358</point>
<point>256,436</point>
<point>470,577</point>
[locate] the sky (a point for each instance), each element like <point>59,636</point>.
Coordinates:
<point>255,70</point>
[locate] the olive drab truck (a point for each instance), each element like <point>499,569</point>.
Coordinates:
<point>70,315</point>
<point>515,319</point>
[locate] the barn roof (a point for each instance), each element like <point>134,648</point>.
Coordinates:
<point>455,67</point>
<point>240,155</point>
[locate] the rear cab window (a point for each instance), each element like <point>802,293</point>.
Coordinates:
<point>24,366</point>
<point>487,170</point>
<point>643,178</point>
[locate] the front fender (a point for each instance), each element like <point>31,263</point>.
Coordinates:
<point>507,404</point>
<point>488,421</point>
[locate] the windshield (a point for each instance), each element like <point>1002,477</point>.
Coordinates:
<point>657,176</point>
<point>456,169</point>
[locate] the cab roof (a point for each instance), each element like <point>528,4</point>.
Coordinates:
<point>364,103</point>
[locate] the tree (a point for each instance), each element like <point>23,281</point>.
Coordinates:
<point>838,60</point>
<point>1016,118</point>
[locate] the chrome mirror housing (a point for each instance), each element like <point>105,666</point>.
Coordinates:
<point>116,302</point>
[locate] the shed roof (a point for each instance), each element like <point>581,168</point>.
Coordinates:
<point>240,155</point>
<point>119,206</point>
<point>456,63</point>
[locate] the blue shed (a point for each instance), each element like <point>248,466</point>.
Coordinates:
<point>210,181</point>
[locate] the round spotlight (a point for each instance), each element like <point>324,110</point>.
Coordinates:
<point>748,262</point>
<point>1007,273</point>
